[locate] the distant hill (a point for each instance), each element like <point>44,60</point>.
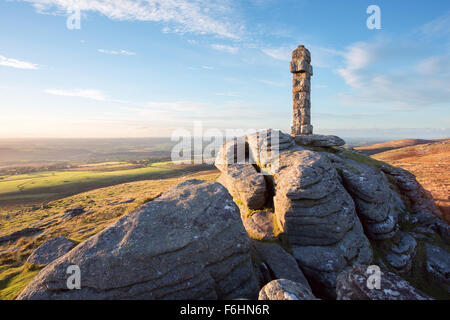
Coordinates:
<point>392,145</point>
<point>428,160</point>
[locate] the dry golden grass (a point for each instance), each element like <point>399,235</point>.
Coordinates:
<point>392,145</point>
<point>430,163</point>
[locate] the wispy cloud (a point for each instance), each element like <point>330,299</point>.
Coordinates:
<point>437,27</point>
<point>179,16</point>
<point>117,52</point>
<point>281,53</point>
<point>18,64</point>
<point>357,57</point>
<point>225,48</point>
<point>414,86</point>
<point>271,83</point>
<point>434,65</point>
<point>81,93</point>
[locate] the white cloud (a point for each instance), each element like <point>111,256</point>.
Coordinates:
<point>437,27</point>
<point>115,52</point>
<point>281,53</point>
<point>370,69</point>
<point>81,93</point>
<point>358,56</point>
<point>225,48</point>
<point>18,64</point>
<point>434,65</point>
<point>180,16</point>
<point>271,83</point>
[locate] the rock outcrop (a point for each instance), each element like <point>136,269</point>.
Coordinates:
<point>353,285</point>
<point>50,251</point>
<point>372,195</point>
<point>187,244</point>
<point>335,209</point>
<point>283,289</point>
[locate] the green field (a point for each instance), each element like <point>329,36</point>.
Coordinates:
<point>49,185</point>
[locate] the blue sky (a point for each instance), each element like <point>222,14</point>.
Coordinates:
<point>149,67</point>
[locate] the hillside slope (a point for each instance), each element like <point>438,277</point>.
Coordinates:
<point>392,145</point>
<point>429,162</point>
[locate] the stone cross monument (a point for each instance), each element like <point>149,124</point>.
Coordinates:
<point>302,130</point>
<point>301,89</point>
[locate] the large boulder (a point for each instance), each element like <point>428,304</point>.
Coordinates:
<point>265,146</point>
<point>260,225</point>
<point>280,264</point>
<point>245,184</point>
<point>356,284</point>
<point>239,176</point>
<point>187,244</point>
<point>322,264</point>
<point>437,266</point>
<point>50,251</point>
<point>283,289</point>
<point>311,205</point>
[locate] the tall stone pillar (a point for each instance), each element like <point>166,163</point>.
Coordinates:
<point>301,90</point>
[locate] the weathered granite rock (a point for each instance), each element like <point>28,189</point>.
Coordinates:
<point>438,266</point>
<point>318,140</point>
<point>50,251</point>
<point>283,289</point>
<point>401,254</point>
<point>353,285</point>
<point>280,264</point>
<point>370,190</point>
<point>311,206</point>
<point>424,212</point>
<point>245,184</point>
<point>266,145</point>
<point>187,244</point>
<point>260,225</point>
<point>322,264</point>
<point>233,151</point>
